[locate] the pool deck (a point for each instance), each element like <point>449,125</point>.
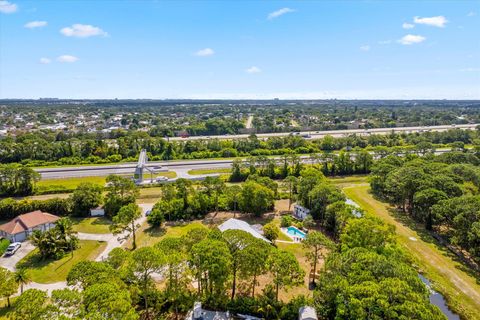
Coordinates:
<point>294,238</point>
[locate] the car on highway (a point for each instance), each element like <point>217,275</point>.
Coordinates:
<point>12,248</point>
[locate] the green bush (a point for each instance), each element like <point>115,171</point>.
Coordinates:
<point>286,222</point>
<point>4,243</point>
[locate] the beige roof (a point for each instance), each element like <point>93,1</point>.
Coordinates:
<point>27,221</point>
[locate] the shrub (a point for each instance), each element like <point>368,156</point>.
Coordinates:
<point>287,221</point>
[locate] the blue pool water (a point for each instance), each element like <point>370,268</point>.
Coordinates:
<point>294,232</point>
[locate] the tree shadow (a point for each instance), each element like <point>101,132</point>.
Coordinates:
<point>155,232</point>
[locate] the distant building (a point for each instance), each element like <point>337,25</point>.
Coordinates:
<point>97,212</point>
<point>235,224</point>
<point>21,227</point>
<point>300,212</point>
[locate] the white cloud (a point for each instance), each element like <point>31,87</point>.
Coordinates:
<point>82,31</point>
<point>385,42</point>
<point>365,47</point>
<point>35,24</point>
<point>205,52</point>
<point>411,39</point>
<point>438,21</point>
<point>67,58</point>
<point>471,14</point>
<point>407,25</point>
<point>278,13</point>
<point>253,69</point>
<point>7,7</point>
<point>45,61</point>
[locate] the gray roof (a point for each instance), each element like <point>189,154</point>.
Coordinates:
<point>307,313</point>
<point>235,224</point>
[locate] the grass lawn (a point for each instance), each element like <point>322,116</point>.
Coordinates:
<point>70,183</point>
<point>49,271</point>
<point>448,276</point>
<point>208,171</point>
<point>147,236</point>
<point>91,225</point>
<point>342,182</point>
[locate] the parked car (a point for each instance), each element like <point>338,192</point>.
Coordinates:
<point>12,248</point>
<point>147,213</point>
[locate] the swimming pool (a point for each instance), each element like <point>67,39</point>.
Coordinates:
<point>295,233</point>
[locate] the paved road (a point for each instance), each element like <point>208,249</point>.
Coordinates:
<point>180,167</point>
<point>335,133</point>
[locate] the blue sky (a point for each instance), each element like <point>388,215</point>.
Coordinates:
<point>235,49</point>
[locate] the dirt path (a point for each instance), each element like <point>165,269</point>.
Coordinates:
<point>248,125</point>
<point>461,290</point>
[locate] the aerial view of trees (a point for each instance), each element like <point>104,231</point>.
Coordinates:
<point>435,191</point>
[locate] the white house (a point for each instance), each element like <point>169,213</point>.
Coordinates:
<point>18,229</point>
<point>300,212</point>
<point>235,224</point>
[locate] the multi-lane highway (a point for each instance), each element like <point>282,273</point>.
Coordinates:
<point>335,133</point>
<point>182,167</point>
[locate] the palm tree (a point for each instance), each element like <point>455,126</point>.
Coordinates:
<point>22,277</point>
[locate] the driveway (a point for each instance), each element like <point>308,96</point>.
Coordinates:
<point>10,261</point>
<point>113,240</point>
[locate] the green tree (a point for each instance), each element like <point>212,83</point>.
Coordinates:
<point>22,277</point>
<point>271,231</point>
<point>316,242</point>
<point>108,301</point>
<point>237,241</point>
<point>85,197</point>
<point>423,202</point>
<point>253,262</point>
<point>147,261</point>
<point>125,221</point>
<point>65,304</point>
<point>210,261</point>
<point>8,285</point>
<point>368,232</point>
<point>121,191</point>
<point>285,270</point>
<point>256,198</point>
<point>291,183</point>
<point>31,305</point>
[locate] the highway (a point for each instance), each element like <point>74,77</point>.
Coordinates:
<point>181,167</point>
<point>334,133</point>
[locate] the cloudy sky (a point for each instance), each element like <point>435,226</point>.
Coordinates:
<point>225,49</point>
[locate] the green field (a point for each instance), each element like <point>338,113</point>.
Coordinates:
<point>91,225</point>
<point>461,289</point>
<point>70,183</point>
<point>49,271</point>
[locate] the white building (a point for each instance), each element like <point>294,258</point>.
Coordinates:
<point>300,212</point>
<point>307,313</point>
<point>235,224</point>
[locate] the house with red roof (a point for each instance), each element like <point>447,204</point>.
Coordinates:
<point>21,227</point>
